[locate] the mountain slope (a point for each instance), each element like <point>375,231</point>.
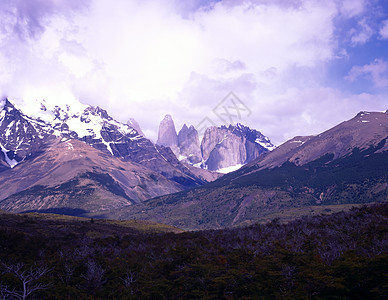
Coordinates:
<point>363,131</point>
<point>346,164</point>
<point>71,175</point>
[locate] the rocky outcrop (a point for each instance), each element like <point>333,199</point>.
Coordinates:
<point>167,136</point>
<point>20,136</point>
<point>224,147</point>
<point>188,144</point>
<point>221,147</point>
<point>135,125</point>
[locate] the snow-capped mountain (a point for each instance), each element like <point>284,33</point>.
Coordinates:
<point>20,136</point>
<point>25,130</point>
<point>76,159</point>
<point>90,124</point>
<point>252,135</point>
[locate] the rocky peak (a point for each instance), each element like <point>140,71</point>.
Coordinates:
<point>3,102</point>
<point>97,111</point>
<point>7,106</point>
<point>224,147</point>
<point>135,125</point>
<point>183,132</point>
<point>221,147</point>
<point>19,136</point>
<point>187,133</point>
<point>167,134</point>
<point>188,144</point>
<point>8,113</point>
<point>252,135</point>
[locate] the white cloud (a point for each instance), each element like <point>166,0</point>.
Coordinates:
<point>363,34</point>
<point>352,8</point>
<point>308,111</point>
<point>377,72</point>
<point>144,59</point>
<point>384,30</point>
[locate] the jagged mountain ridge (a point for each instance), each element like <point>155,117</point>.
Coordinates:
<point>77,159</point>
<point>24,135</point>
<point>20,136</point>
<point>220,149</point>
<point>344,165</point>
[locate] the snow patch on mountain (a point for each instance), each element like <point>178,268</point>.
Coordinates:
<point>229,169</point>
<point>49,111</point>
<point>69,146</point>
<point>74,118</point>
<point>266,144</point>
<point>11,162</point>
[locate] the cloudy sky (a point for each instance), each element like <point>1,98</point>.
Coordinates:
<point>296,67</point>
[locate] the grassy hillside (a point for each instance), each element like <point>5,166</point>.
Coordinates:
<point>62,225</point>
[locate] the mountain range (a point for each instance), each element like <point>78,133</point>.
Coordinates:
<point>347,164</point>
<point>78,160</point>
<point>222,149</point>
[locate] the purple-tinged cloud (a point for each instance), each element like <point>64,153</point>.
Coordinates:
<point>145,59</point>
<point>377,72</point>
<point>28,19</point>
<point>384,30</point>
<point>352,8</point>
<point>362,34</point>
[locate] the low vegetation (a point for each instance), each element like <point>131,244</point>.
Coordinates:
<point>338,256</point>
